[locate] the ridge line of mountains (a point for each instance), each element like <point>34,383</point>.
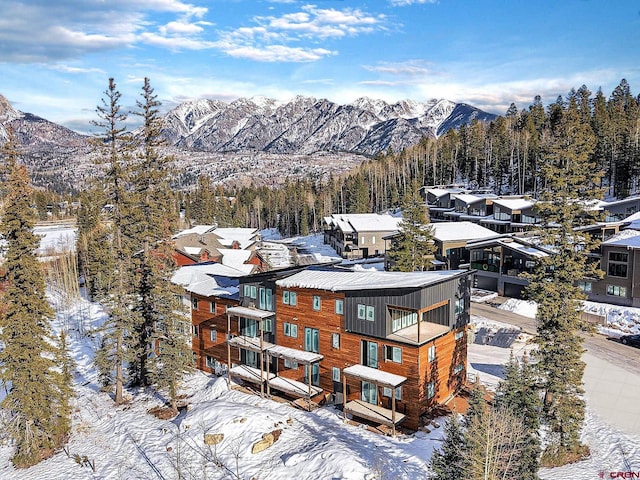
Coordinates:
<point>254,126</point>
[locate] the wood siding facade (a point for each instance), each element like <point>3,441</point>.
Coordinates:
<point>327,322</point>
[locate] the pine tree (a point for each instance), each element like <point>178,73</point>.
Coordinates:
<point>518,393</point>
<point>119,299</point>
<point>37,392</point>
<point>161,348</point>
<point>448,462</point>
<point>569,183</point>
<point>412,249</point>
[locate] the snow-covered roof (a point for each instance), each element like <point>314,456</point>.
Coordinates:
<point>366,222</point>
<point>437,192</point>
<point>375,376</point>
<point>633,198</point>
<point>625,238</point>
<point>344,280</point>
<point>300,356</point>
<point>468,198</point>
<point>250,312</point>
<point>198,229</point>
<point>192,250</point>
<point>200,279</point>
<point>514,203</point>
<point>244,236</point>
<point>236,259</point>
<point>448,231</point>
<point>511,243</point>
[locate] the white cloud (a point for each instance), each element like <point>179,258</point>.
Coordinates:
<point>277,38</point>
<point>45,31</point>
<point>409,68</point>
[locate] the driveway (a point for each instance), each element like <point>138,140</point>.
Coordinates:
<point>611,377</point>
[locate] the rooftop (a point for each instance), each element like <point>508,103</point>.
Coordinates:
<point>344,280</point>
<point>448,231</point>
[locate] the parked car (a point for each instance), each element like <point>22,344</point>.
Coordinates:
<point>633,340</point>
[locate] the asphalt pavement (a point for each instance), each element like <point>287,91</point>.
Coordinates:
<point>612,372</point>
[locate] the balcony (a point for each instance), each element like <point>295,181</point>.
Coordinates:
<point>486,266</point>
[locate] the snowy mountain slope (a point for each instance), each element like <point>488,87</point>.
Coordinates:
<point>307,125</point>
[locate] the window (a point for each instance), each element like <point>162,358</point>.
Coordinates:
<point>431,390</point>
<point>212,307</point>
<point>585,286</point>
<point>616,291</point>
<point>335,340</point>
<point>262,299</point>
<point>393,354</point>
<point>247,290</point>
<point>459,308</point>
<point>315,374</point>
<point>289,298</point>
<point>290,364</point>
<point>196,330</point>
<point>194,303</point>
<point>214,335</point>
<point>290,330</point>
<point>362,312</point>
<point>267,325</point>
<point>402,319</point>
<point>370,354</point>
<point>369,393</point>
<point>211,362</point>
<point>340,307</point>
<point>457,368</point>
<point>386,392</point>
<point>269,302</point>
<point>371,313</point>
<point>362,240</point>
<point>459,335</point>
<point>335,374</point>
<point>373,239</point>
<point>431,353</point>
<point>617,264</point>
<point>311,339</point>
<point>317,302</point>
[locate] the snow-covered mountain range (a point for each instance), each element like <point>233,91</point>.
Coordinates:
<point>248,140</point>
<point>307,125</point>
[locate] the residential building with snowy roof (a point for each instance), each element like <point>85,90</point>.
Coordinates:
<point>388,346</point>
<point>359,235</point>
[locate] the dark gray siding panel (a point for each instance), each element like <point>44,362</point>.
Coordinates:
<point>379,299</point>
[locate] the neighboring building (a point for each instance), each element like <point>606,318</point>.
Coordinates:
<point>359,235</point>
<point>471,207</point>
<point>235,247</point>
<point>512,214</point>
<point>500,261</point>
<point>450,240</point>
<point>618,210</point>
<point>620,262</point>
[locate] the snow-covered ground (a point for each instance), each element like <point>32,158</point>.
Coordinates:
<point>126,442</point>
<point>618,320</point>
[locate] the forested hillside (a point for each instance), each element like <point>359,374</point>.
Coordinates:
<point>503,155</point>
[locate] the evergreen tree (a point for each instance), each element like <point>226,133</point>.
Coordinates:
<point>119,299</point>
<point>569,182</point>
<point>37,392</point>
<point>518,393</point>
<point>160,329</point>
<point>448,462</point>
<point>412,249</point>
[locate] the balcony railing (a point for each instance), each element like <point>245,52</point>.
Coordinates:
<point>485,267</point>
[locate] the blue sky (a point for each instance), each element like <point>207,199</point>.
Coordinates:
<point>56,55</point>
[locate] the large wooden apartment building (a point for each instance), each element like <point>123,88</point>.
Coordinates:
<point>394,341</point>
